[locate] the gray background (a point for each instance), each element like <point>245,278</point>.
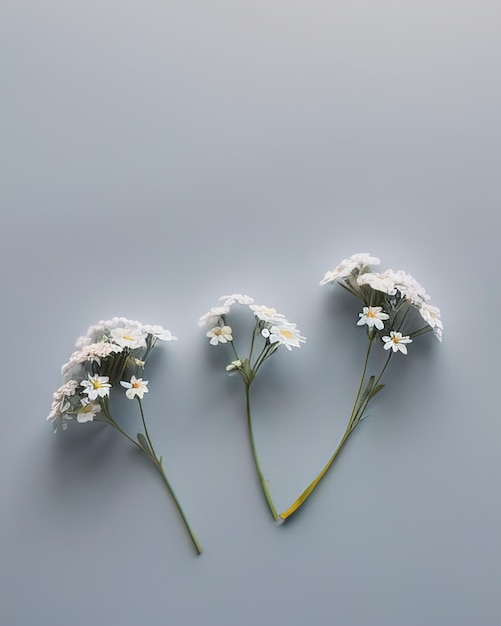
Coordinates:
<point>157,155</point>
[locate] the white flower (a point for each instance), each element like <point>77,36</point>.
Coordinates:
<point>347,266</point>
<point>236,298</point>
<point>96,386</point>
<point>66,391</point>
<point>87,412</point>
<point>213,316</point>
<point>373,316</point>
<point>99,331</point>
<point>286,334</point>
<point>379,282</point>
<point>128,337</point>
<point>431,315</point>
<point>408,286</point>
<point>93,352</point>
<point>59,418</point>
<point>396,341</point>
<point>219,334</point>
<point>136,387</point>
<point>234,365</point>
<point>267,314</point>
<point>159,332</point>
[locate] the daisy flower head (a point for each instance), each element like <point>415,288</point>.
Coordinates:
<point>136,387</point>
<point>128,337</point>
<point>213,316</point>
<point>396,341</point>
<point>357,262</point>
<point>159,332</point>
<point>373,316</point>
<point>379,282</point>
<point>236,298</point>
<point>219,334</point>
<point>267,314</point>
<point>431,315</point>
<point>88,411</point>
<point>96,386</point>
<point>285,334</point>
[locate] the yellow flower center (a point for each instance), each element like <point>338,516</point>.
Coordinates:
<point>136,384</point>
<point>370,313</point>
<point>218,331</point>
<point>128,338</point>
<point>288,334</point>
<point>96,384</point>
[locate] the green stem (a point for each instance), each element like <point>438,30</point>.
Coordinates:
<point>260,474</point>
<point>307,492</point>
<point>157,462</point>
<point>356,414</point>
<point>193,537</point>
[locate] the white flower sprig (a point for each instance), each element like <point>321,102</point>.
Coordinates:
<point>271,330</point>
<point>111,353</point>
<point>395,310</point>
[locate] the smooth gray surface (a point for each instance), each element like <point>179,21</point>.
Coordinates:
<point>158,155</point>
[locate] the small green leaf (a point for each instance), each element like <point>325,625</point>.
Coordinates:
<point>144,444</point>
<point>376,389</point>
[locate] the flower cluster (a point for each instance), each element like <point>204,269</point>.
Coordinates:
<point>272,326</point>
<point>393,301</point>
<point>396,309</point>
<point>110,353</point>
<point>271,330</point>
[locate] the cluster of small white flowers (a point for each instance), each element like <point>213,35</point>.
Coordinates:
<point>357,262</point>
<point>92,353</point>
<point>400,286</point>
<point>119,337</point>
<point>274,326</point>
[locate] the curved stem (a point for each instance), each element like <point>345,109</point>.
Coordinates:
<point>354,420</point>
<point>260,474</point>
<point>157,462</point>
<point>193,537</point>
<point>299,501</point>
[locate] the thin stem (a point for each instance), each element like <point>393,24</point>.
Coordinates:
<point>299,501</point>
<point>157,462</point>
<point>364,371</point>
<point>354,420</point>
<point>193,537</point>
<point>145,427</point>
<point>260,474</point>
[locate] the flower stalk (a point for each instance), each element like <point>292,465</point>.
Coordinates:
<point>271,331</point>
<point>392,300</point>
<point>112,350</point>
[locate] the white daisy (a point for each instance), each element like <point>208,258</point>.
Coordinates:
<point>396,341</point>
<point>96,386</point>
<point>128,337</point>
<point>285,334</point>
<point>237,298</point>
<point>379,282</point>
<point>347,266</point>
<point>87,412</point>
<point>219,334</point>
<point>373,316</point>
<point>267,314</point>
<point>159,332</point>
<point>137,387</point>
<point>213,316</point>
<point>431,315</point>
